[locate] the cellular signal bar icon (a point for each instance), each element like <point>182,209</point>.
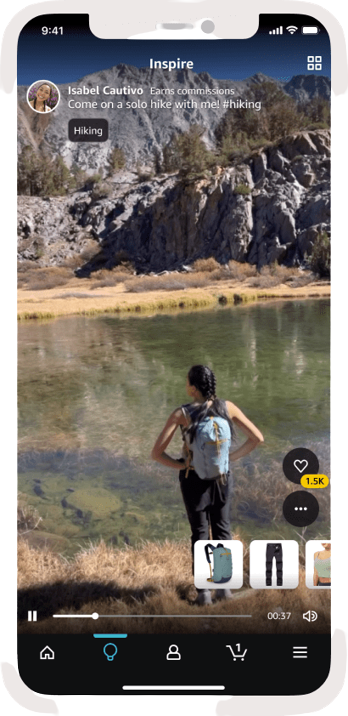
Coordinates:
<point>277,31</point>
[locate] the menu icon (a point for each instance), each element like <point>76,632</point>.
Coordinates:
<point>299,652</point>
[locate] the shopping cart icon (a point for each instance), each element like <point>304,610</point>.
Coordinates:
<point>239,655</point>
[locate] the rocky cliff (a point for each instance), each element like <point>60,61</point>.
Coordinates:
<point>270,207</point>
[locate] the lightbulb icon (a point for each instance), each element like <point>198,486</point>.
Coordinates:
<point>110,652</point>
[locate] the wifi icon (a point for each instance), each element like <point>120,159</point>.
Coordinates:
<point>292,29</point>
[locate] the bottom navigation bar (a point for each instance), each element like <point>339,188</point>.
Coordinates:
<point>231,663</point>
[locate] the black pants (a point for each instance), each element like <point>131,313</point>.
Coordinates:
<point>207,503</point>
<point>274,550</point>
<point>323,584</point>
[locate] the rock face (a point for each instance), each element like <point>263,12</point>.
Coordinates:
<point>46,234</point>
<point>271,207</point>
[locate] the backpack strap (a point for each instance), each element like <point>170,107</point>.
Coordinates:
<point>206,548</point>
<point>187,415</point>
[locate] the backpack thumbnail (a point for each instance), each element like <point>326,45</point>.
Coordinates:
<point>222,571</point>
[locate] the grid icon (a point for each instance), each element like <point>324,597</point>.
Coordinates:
<point>314,62</point>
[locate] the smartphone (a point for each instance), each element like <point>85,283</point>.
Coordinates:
<point>174,361</point>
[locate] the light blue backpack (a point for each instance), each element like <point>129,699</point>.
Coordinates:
<point>222,563</point>
<point>210,447</point>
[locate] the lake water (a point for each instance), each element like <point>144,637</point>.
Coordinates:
<point>94,393</point>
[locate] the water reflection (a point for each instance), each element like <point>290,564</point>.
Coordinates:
<point>110,383</point>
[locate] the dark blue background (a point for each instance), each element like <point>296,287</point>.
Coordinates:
<point>76,53</point>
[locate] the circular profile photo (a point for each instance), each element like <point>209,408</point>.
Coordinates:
<point>43,96</point>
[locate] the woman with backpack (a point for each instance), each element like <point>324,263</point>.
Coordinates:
<point>207,426</point>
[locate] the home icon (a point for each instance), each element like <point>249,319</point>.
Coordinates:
<point>47,653</point>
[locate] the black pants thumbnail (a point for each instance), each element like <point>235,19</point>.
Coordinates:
<point>274,550</point>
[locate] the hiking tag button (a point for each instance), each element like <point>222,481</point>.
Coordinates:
<point>298,462</point>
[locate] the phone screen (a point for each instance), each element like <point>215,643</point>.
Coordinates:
<point>173,361</point>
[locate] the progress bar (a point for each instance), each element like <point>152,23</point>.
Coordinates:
<point>152,616</point>
<point>173,688</point>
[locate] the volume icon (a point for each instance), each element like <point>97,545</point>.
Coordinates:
<point>292,29</point>
<point>32,616</point>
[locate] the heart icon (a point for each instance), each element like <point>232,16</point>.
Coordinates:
<point>301,465</point>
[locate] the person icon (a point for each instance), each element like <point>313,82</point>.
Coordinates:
<point>43,96</point>
<point>173,652</point>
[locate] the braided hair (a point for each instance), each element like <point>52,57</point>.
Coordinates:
<point>203,378</point>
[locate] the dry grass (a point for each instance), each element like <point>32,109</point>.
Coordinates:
<point>152,579</point>
<point>119,274</point>
<point>170,282</point>
<point>90,251</point>
<point>39,279</point>
<point>225,285</point>
<point>28,518</point>
<point>240,271</point>
<point>155,578</point>
<point>73,262</point>
<point>274,275</point>
<point>208,265</point>
<point>209,271</point>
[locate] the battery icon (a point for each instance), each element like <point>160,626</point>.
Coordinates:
<point>310,30</point>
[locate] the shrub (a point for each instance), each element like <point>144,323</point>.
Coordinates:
<point>144,173</point>
<point>40,175</point>
<point>111,278</point>
<point>72,262</point>
<point>170,282</point>
<point>80,176</point>
<point>94,178</point>
<point>303,280</point>
<point>206,264</point>
<point>153,283</point>
<point>318,125</point>
<point>117,160</point>
<point>317,111</point>
<point>264,281</point>
<point>28,517</point>
<point>219,274</point>
<point>124,267</point>
<point>187,154</point>
<point>101,190</point>
<point>279,115</point>
<point>90,251</point>
<point>242,189</point>
<point>233,147</point>
<point>40,279</point>
<point>274,274</point>
<point>241,271</point>
<point>320,258</point>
